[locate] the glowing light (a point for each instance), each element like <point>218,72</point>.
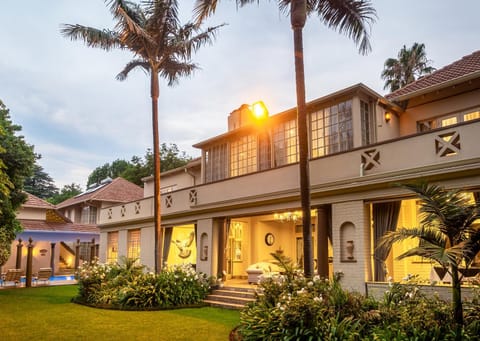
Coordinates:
<point>259,110</point>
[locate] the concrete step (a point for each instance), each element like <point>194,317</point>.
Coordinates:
<point>230,297</point>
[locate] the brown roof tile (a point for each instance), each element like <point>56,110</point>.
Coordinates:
<point>41,225</point>
<point>467,65</point>
<point>36,202</point>
<point>119,190</point>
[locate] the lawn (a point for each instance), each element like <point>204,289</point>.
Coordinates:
<point>46,313</point>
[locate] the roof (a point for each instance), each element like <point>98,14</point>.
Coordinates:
<point>456,72</point>
<point>119,190</point>
<point>42,225</point>
<point>36,202</point>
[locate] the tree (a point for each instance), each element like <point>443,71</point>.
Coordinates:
<point>40,183</point>
<point>350,17</point>
<point>447,235</point>
<point>161,45</point>
<point>67,192</point>
<point>171,157</point>
<point>108,170</point>
<point>16,164</point>
<point>409,65</point>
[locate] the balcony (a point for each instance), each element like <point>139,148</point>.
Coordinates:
<point>444,153</point>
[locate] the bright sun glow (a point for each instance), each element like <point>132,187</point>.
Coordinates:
<point>259,110</point>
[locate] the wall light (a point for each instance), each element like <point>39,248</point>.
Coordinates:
<point>388,116</point>
<point>259,110</point>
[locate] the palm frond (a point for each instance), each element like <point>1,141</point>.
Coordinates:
<point>350,17</point>
<point>172,69</point>
<point>188,41</point>
<point>203,9</point>
<point>132,65</point>
<point>93,37</point>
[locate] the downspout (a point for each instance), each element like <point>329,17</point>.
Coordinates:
<point>192,175</point>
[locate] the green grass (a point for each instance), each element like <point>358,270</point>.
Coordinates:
<point>46,313</point>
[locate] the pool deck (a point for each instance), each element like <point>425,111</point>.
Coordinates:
<point>10,285</point>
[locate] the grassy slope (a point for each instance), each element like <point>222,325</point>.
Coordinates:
<point>45,313</point>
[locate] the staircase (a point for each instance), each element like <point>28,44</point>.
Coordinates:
<point>229,297</point>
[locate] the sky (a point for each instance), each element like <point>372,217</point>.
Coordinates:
<point>65,96</point>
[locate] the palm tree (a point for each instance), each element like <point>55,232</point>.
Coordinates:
<point>448,234</point>
<point>409,65</point>
<point>350,17</point>
<point>161,45</point>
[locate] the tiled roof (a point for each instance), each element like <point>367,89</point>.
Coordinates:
<point>458,69</point>
<point>36,202</point>
<point>41,225</point>
<point>119,190</point>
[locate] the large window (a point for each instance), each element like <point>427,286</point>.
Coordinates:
<point>216,163</point>
<point>332,130</point>
<point>112,247</point>
<point>264,152</point>
<point>448,120</point>
<point>89,215</point>
<point>368,123</point>
<point>243,155</point>
<point>133,244</point>
<point>285,143</point>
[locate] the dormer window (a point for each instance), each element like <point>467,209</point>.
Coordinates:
<point>89,215</point>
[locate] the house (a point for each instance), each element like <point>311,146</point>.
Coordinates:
<point>242,202</point>
<point>66,234</point>
<point>54,238</point>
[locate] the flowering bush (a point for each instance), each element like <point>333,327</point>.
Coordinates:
<point>127,285</point>
<point>292,307</point>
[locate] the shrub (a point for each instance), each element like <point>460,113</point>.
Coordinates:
<point>127,285</point>
<point>292,307</point>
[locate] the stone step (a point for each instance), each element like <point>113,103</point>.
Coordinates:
<point>230,297</point>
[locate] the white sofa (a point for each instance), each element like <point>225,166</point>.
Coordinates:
<point>265,268</point>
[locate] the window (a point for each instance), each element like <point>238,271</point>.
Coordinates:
<point>243,155</point>
<point>368,123</point>
<point>112,247</point>
<point>264,152</point>
<point>216,163</point>
<point>133,244</point>
<point>331,129</point>
<point>285,143</point>
<point>89,215</point>
<point>448,120</point>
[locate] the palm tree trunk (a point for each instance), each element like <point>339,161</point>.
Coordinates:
<point>457,300</point>
<point>156,169</point>
<point>298,12</point>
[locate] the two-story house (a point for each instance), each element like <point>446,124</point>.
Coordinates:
<point>242,201</point>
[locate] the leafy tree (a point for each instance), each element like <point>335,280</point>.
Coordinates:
<point>447,235</point>
<point>67,192</point>
<point>350,17</point>
<point>171,157</point>
<point>410,64</point>
<point>16,164</point>
<point>139,168</point>
<point>161,45</point>
<point>107,171</point>
<point>40,183</point>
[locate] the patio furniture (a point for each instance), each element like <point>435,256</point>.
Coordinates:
<point>256,270</point>
<point>12,276</point>
<point>44,275</point>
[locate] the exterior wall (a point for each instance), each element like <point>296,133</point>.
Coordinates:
<point>31,213</point>
<point>147,242</point>
<point>352,212</point>
<point>39,259</point>
<point>206,265</point>
<point>409,119</point>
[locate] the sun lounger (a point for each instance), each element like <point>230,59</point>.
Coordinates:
<point>12,276</point>
<point>44,275</point>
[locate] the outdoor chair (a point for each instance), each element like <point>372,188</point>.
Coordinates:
<point>12,276</point>
<point>44,275</point>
